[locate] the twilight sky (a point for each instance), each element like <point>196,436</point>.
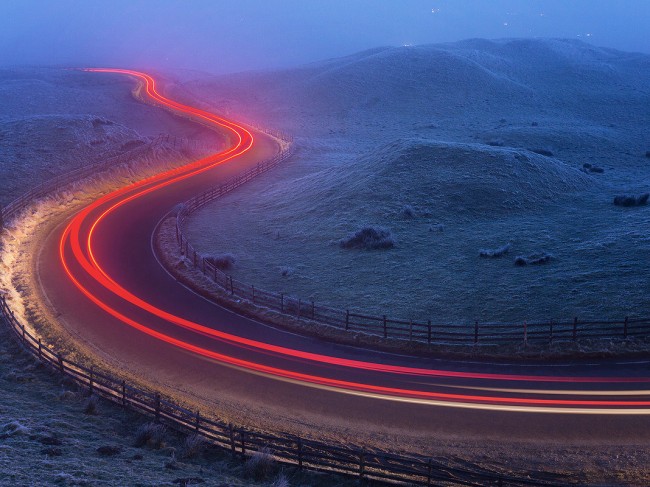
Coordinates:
<point>223,36</point>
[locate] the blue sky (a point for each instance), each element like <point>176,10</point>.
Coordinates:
<point>223,36</point>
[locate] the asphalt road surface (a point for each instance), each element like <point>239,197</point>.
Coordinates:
<point>99,273</point>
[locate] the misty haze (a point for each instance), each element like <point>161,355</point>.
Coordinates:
<point>322,243</point>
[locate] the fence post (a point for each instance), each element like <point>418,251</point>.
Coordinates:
<point>625,327</point>
<point>429,469</point>
<point>242,435</point>
<point>299,447</point>
<point>203,264</point>
<point>231,434</point>
<point>90,380</point>
<point>22,327</point>
<point>475,332</point>
<point>313,309</point>
<point>429,331</point>
<point>157,407</point>
<point>123,393</point>
<point>197,421</point>
<point>410,330</point>
<point>525,334</point>
<point>215,274</point>
<point>40,350</point>
<point>60,364</point>
<point>362,464</point>
<point>194,258</point>
<point>281,302</point>
<point>575,328</point>
<point>253,290</point>
<point>299,304</point>
<point>385,328</point>
<point>347,319</point>
<point>232,288</point>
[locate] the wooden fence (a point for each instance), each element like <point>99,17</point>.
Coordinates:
<point>287,449</point>
<point>433,333</point>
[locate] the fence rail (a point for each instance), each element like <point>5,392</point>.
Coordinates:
<point>286,449</point>
<point>431,333</point>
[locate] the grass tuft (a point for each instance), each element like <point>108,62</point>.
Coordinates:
<point>260,465</point>
<point>632,200</point>
<point>369,238</point>
<point>193,446</point>
<point>223,261</point>
<point>495,253</point>
<point>151,435</point>
<point>91,406</point>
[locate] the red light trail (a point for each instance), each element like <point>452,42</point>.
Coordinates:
<point>386,381</point>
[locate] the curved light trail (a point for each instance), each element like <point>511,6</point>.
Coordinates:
<point>83,265</point>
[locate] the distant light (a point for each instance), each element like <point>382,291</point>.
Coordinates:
<point>435,10</point>
<point>588,35</point>
<point>505,24</point>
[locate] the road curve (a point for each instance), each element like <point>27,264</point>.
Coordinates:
<point>99,271</point>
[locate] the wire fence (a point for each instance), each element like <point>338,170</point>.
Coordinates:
<point>287,449</point>
<point>432,333</point>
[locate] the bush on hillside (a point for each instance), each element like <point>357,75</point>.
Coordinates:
<point>369,238</point>
<point>494,253</point>
<point>632,200</point>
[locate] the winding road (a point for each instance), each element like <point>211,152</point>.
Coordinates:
<point>100,274</point>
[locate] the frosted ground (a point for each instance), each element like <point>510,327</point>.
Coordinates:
<point>51,121</point>
<point>455,148</point>
<point>54,120</point>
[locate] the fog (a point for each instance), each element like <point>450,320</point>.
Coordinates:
<point>224,36</point>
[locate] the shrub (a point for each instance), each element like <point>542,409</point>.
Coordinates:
<point>408,211</point>
<point>542,152</point>
<point>369,238</point>
<point>493,253</point>
<point>631,200</point>
<point>586,167</point>
<point>533,260</point>
<point>260,465</point>
<point>150,434</point>
<point>91,406</point>
<point>222,261</point>
<point>193,446</point>
<point>286,271</point>
<point>109,450</point>
<point>172,463</point>
<point>13,428</point>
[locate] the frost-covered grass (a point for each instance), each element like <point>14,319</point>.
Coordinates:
<point>55,120</point>
<point>47,438</point>
<point>52,432</point>
<point>487,140</point>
